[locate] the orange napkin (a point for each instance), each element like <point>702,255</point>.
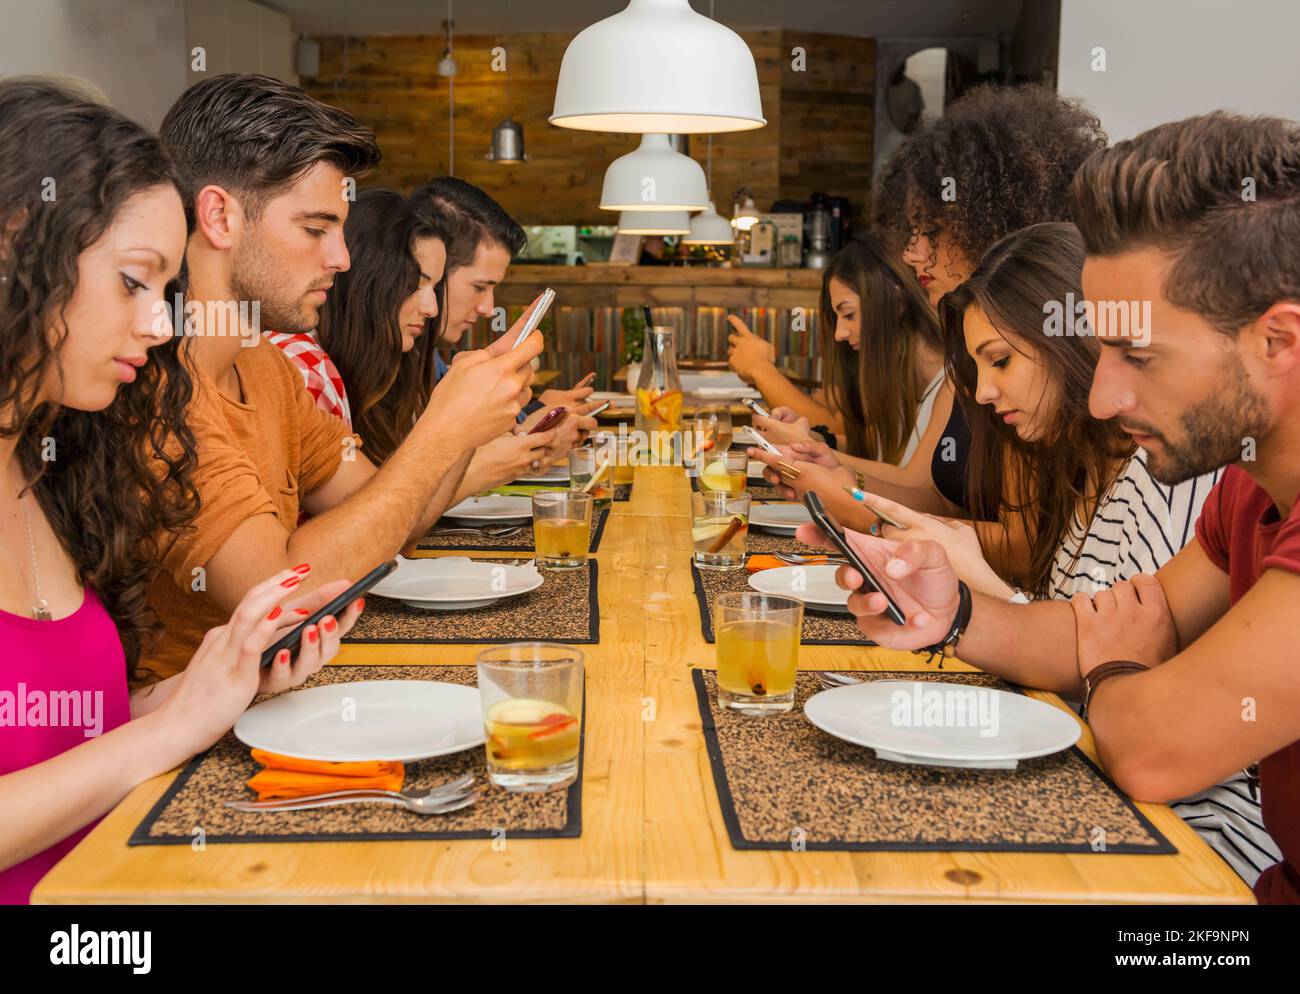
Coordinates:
<point>285,776</point>
<point>757,563</point>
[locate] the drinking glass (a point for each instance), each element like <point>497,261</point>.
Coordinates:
<point>561,528</point>
<point>591,471</point>
<point>532,714</point>
<point>719,529</point>
<point>758,650</point>
<point>726,472</point>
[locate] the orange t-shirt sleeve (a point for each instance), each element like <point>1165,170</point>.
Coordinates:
<point>230,492</point>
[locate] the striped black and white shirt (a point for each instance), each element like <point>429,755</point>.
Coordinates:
<point>1139,525</point>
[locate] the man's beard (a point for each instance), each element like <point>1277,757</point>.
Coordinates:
<point>251,279</point>
<point>1215,431</point>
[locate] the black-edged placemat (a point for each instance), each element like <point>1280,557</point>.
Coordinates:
<point>565,608</point>
<point>195,799</point>
<point>765,543</point>
<point>781,781</point>
<point>819,627</point>
<point>437,541</point>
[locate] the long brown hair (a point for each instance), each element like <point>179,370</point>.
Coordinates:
<point>1047,483</point>
<point>875,387</point>
<point>359,328</point>
<point>121,477</point>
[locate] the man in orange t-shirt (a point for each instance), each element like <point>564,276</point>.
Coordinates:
<point>269,174</point>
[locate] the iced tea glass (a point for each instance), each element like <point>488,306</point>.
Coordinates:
<point>758,650</point>
<point>719,529</point>
<point>532,714</point>
<point>561,529</point>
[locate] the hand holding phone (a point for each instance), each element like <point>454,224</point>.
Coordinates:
<point>535,318</point>
<point>763,441</point>
<point>551,419</point>
<point>600,410</point>
<point>831,529</point>
<point>756,407</point>
<point>293,638</point>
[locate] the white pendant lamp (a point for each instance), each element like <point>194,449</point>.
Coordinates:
<point>654,178</point>
<point>658,66</point>
<point>710,228</point>
<point>746,215</point>
<point>654,223</point>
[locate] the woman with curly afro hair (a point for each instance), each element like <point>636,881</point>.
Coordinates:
<point>999,160</point>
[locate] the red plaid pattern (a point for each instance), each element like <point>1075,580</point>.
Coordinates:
<point>319,373</point>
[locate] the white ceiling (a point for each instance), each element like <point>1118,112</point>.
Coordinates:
<point>865,18</point>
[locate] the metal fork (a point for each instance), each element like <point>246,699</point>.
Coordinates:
<point>498,531</point>
<point>830,680</point>
<point>795,559</point>
<point>429,801</point>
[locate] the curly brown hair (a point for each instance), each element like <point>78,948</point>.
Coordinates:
<point>1007,154</point>
<point>115,485</point>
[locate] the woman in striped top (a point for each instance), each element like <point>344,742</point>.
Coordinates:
<point>1076,485</point>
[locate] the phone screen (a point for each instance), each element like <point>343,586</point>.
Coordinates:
<point>830,527</point>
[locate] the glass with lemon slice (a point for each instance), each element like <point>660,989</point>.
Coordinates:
<point>591,471</point>
<point>719,529</point>
<point>726,472</point>
<point>532,714</point>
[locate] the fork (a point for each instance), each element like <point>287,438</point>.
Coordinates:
<point>498,531</point>
<point>795,559</point>
<point>830,680</point>
<point>441,800</point>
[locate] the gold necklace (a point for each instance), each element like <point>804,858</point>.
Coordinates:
<point>40,607</point>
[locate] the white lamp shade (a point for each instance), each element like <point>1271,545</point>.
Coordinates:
<point>710,228</point>
<point>658,66</point>
<point>654,178</point>
<point>654,223</point>
<point>746,216</point>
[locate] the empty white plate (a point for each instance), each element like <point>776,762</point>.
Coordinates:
<point>554,474</point>
<point>942,724</point>
<point>384,720</point>
<point>755,469</point>
<point>455,583</point>
<point>814,585</point>
<point>492,507</point>
<point>780,518</point>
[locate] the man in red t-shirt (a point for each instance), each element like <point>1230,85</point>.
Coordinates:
<point>1193,284</point>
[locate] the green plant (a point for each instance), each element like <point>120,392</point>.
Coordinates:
<point>633,334</point>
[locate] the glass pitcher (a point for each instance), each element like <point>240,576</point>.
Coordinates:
<point>659,392</point>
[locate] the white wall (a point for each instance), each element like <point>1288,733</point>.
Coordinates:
<point>138,51</point>
<point>1170,59</point>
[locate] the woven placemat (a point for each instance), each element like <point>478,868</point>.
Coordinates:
<point>819,627</point>
<point>783,782</point>
<point>195,799</point>
<point>437,541</point>
<point>764,543</point>
<point>565,608</point>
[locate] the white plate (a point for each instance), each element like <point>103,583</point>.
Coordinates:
<point>492,507</point>
<point>780,518</point>
<point>814,585</point>
<point>619,399</point>
<point>942,724</point>
<point>755,470</point>
<point>455,583</point>
<point>555,474</point>
<point>387,720</point>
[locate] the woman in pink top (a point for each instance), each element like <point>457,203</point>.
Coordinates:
<point>91,232</point>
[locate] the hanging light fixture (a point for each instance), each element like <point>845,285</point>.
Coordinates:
<point>654,178</point>
<point>710,228</point>
<point>745,214</point>
<point>447,64</point>
<point>654,223</point>
<point>508,136</point>
<point>658,66</point>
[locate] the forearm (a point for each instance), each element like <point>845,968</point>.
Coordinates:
<point>1032,645</point>
<point>450,492</point>
<point>907,485</point>
<point>51,800</point>
<point>475,479</point>
<point>778,391</point>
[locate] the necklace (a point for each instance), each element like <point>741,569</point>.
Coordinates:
<point>40,607</point>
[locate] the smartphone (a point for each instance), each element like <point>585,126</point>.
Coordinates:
<point>763,441</point>
<point>756,407</point>
<point>830,527</point>
<point>534,319</point>
<point>600,410</point>
<point>551,419</point>
<point>585,381</point>
<point>291,639</point>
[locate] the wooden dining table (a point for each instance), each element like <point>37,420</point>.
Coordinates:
<point>652,827</point>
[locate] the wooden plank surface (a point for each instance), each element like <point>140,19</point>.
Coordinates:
<point>652,825</point>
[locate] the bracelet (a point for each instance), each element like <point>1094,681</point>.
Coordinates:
<point>947,647</point>
<point>1100,674</point>
<point>825,432</point>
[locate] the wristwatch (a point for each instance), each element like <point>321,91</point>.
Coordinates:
<point>1100,674</point>
<point>946,648</point>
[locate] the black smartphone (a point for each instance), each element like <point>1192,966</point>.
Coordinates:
<point>291,639</point>
<point>832,530</point>
<point>551,419</point>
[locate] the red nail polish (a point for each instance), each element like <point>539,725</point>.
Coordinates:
<point>301,610</point>
<point>313,636</point>
<point>361,604</point>
<point>293,581</point>
<point>275,613</point>
<point>330,624</point>
<point>302,568</point>
<point>282,657</point>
